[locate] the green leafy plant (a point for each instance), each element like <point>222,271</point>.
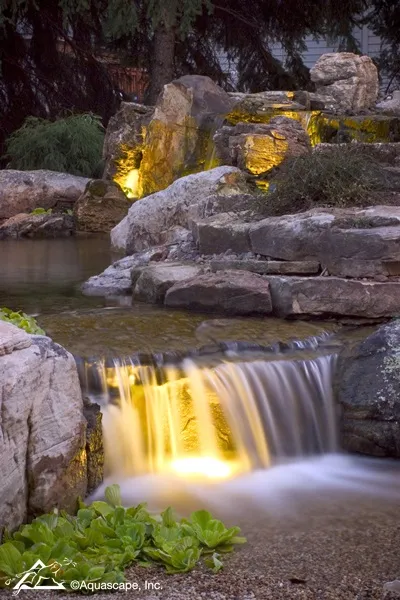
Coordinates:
<point>21,320</point>
<point>41,211</point>
<point>102,539</point>
<point>70,145</point>
<point>342,177</point>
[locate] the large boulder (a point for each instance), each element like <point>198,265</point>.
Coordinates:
<point>23,191</point>
<point>231,292</point>
<point>43,444</point>
<point>350,79</point>
<point>149,219</point>
<point>179,136</point>
<point>124,143</point>
<point>347,242</point>
<point>38,226</point>
<point>257,148</point>
<point>367,387</point>
<point>102,206</point>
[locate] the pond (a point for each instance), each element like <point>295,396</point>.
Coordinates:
<point>43,277</point>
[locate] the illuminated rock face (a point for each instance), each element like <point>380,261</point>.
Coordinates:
<point>257,148</point>
<point>179,137</point>
<point>123,146</point>
<point>350,79</point>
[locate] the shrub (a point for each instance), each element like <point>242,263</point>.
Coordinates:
<point>343,177</point>
<point>70,145</point>
<point>21,320</point>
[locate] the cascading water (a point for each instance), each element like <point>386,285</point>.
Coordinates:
<point>247,423</point>
<point>233,417</point>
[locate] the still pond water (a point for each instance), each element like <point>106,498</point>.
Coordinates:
<point>43,277</point>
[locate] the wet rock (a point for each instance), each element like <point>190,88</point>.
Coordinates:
<point>267,267</point>
<point>124,140</point>
<point>23,191</point>
<point>350,79</point>
<point>292,296</point>
<point>149,219</point>
<point>37,226</point>
<point>257,148</point>
<point>232,292</point>
<point>102,206</point>
<point>348,242</point>
<point>368,388</point>
<point>42,442</point>
<point>153,282</point>
<point>179,136</point>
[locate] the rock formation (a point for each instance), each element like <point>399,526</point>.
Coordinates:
<point>44,437</point>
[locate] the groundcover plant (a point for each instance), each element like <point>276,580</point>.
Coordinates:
<point>102,539</point>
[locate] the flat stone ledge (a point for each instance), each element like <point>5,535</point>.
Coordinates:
<point>292,296</point>
<point>267,267</point>
<point>232,292</point>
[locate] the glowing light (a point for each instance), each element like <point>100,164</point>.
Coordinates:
<point>130,184</point>
<point>203,466</point>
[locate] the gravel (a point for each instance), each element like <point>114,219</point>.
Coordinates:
<point>342,552</point>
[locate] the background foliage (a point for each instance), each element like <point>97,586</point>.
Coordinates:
<point>70,145</point>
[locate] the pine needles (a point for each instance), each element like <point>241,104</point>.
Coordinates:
<point>70,145</point>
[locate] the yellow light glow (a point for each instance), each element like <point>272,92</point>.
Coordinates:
<point>203,466</point>
<point>131,184</point>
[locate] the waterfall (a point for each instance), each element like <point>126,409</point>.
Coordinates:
<point>193,420</point>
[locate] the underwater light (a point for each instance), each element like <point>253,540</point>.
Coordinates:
<point>203,466</point>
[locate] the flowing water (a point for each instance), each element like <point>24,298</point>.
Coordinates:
<point>230,425</point>
<point>246,430</point>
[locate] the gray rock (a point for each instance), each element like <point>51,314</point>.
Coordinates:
<point>367,386</point>
<point>152,282</point>
<point>267,267</point>
<point>220,233</point>
<point>116,279</point>
<point>348,242</point>
<point>350,79</point>
<point>391,105</point>
<point>23,191</point>
<point>317,296</point>
<point>37,226</point>
<point>231,292</point>
<point>149,219</point>
<point>43,462</point>
<point>12,338</point>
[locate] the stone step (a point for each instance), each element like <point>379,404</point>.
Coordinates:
<point>232,292</point>
<point>293,296</point>
<point>267,267</point>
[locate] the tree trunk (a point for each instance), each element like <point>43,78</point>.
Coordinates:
<point>162,64</point>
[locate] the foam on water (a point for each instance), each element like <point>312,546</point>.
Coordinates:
<point>280,490</point>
